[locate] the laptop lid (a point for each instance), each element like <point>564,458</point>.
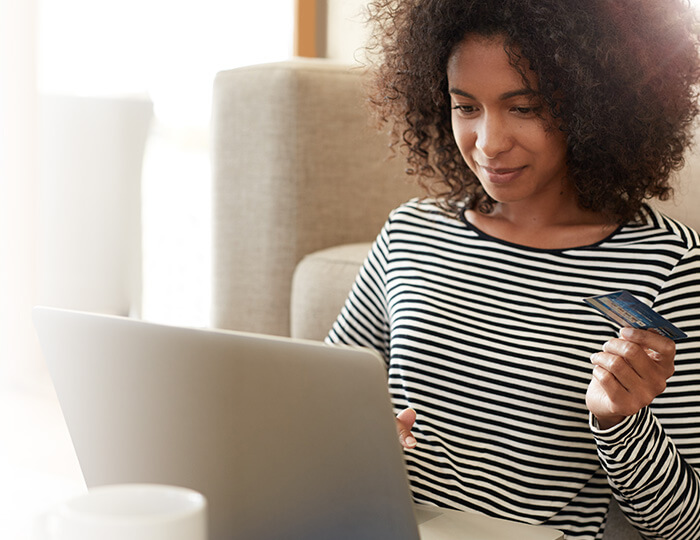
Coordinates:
<point>286,438</point>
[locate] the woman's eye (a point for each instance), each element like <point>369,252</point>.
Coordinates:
<point>526,111</point>
<point>464,109</point>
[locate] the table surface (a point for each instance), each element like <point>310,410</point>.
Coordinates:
<point>38,467</point>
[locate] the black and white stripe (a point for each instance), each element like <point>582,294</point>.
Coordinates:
<point>490,343</point>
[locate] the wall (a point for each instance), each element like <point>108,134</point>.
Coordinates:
<point>346,32</point>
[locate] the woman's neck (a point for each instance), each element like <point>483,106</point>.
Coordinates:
<point>563,227</point>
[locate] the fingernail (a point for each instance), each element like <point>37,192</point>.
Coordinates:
<point>410,441</point>
<point>626,332</point>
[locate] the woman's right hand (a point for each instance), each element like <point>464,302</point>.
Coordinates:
<point>404,423</point>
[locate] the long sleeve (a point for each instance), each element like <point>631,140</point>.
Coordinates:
<point>657,489</point>
<point>653,458</point>
<point>363,320</point>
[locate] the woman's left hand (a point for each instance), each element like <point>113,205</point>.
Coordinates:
<point>628,374</point>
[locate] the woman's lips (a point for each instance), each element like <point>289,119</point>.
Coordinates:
<point>502,175</point>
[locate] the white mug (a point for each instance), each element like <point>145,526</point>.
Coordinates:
<point>128,511</point>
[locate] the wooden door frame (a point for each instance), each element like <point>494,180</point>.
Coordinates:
<point>310,27</point>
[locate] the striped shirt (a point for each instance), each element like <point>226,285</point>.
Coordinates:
<point>490,343</point>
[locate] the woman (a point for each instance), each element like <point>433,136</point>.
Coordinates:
<point>539,129</point>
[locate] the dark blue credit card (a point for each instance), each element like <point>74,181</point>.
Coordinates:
<point>627,310</point>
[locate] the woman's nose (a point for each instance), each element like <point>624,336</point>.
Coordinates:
<point>492,137</point>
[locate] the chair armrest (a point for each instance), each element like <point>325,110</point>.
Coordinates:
<point>322,281</point>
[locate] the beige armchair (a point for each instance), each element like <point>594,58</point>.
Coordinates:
<point>302,186</point>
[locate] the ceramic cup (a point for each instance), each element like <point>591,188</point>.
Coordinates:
<point>128,511</point>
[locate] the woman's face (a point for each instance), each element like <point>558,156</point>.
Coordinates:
<point>505,136</point>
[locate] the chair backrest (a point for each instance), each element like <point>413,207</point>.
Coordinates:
<point>297,167</point>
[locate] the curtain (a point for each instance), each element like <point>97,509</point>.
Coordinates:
<point>19,357</point>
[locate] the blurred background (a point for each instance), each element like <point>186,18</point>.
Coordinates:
<point>105,181</point>
<point>104,158</point>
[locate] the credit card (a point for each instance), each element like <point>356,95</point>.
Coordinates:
<point>623,308</point>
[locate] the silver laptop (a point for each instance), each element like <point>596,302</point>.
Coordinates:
<point>287,439</point>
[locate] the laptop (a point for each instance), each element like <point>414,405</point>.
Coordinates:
<point>287,439</point>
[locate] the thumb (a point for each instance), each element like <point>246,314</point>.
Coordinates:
<point>404,423</point>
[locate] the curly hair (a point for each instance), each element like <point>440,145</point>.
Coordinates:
<point>619,76</point>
